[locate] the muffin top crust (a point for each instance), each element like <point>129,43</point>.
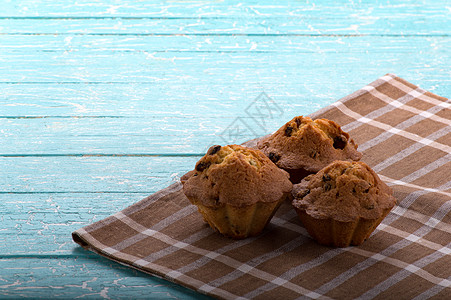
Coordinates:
<point>235,175</point>
<point>343,191</point>
<point>311,145</point>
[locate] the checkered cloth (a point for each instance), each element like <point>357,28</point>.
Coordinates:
<point>404,133</point>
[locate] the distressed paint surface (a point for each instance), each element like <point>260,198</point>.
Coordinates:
<point>105,102</point>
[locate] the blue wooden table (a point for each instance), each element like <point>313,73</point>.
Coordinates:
<point>105,102</point>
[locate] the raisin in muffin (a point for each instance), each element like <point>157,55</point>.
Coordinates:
<point>303,146</point>
<point>236,189</point>
<point>343,203</point>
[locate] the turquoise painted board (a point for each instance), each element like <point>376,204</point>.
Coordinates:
<point>105,102</point>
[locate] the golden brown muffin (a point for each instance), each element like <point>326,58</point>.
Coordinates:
<point>236,189</point>
<point>303,146</point>
<point>343,203</point>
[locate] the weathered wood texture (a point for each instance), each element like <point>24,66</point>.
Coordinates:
<point>105,102</point>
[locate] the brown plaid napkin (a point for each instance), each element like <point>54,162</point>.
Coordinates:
<point>404,133</point>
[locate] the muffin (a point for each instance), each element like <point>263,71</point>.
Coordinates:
<point>343,203</point>
<point>236,189</point>
<point>303,146</point>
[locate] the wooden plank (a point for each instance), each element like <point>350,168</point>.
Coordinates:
<point>42,174</point>
<point>194,9</point>
<point>175,99</point>
<point>309,43</point>
<point>130,136</point>
<point>38,224</point>
<point>286,22</point>
<point>323,59</point>
<point>80,276</point>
